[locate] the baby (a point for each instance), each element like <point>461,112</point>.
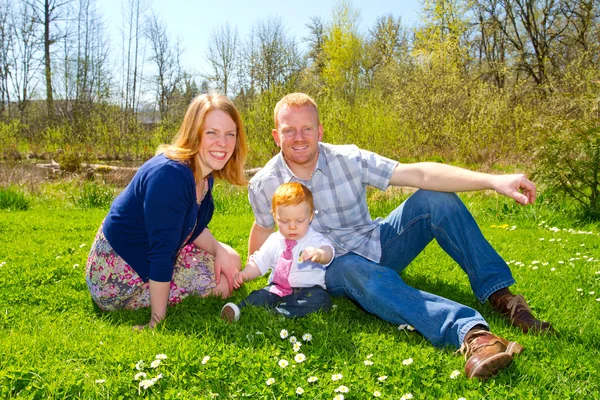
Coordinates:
<point>296,253</point>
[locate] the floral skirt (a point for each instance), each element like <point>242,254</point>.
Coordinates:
<point>114,285</point>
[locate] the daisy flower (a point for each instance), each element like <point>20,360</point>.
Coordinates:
<point>100,380</point>
<point>342,389</point>
<point>146,383</point>
<point>283,334</point>
<point>161,356</point>
<point>270,381</point>
<point>313,379</point>
<point>382,378</point>
<point>283,363</point>
<point>299,357</point>
<point>140,375</point>
<point>339,397</point>
<point>155,364</point>
<point>293,339</point>
<point>368,362</point>
<point>205,360</point>
<point>307,337</point>
<point>140,365</point>
<point>406,396</point>
<point>336,377</point>
<point>462,398</point>
<point>299,390</point>
<point>408,361</point>
<point>376,393</point>
<point>297,346</point>
<point>369,356</point>
<point>454,374</point>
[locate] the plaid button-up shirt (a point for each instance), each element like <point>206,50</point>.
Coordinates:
<point>338,185</point>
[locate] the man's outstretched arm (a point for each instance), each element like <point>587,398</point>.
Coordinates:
<point>447,178</point>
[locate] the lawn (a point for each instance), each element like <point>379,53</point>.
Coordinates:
<point>54,343</point>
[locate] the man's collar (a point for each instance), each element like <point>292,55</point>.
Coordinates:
<point>288,174</point>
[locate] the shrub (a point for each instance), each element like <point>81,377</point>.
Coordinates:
<point>13,200</point>
<point>70,161</point>
<point>568,163</point>
<point>94,195</point>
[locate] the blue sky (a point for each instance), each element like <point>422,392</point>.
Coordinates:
<point>193,20</point>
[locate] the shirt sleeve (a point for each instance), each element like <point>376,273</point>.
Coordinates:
<point>376,170</point>
<point>265,258</point>
<point>261,205</point>
<point>167,199</point>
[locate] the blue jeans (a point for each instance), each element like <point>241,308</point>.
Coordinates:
<point>379,289</point>
<point>300,302</point>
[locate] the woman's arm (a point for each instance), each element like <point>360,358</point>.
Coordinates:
<point>227,260</point>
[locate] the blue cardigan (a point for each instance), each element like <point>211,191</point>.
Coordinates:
<point>149,221</point>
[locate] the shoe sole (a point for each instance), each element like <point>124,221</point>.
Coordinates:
<point>228,314</point>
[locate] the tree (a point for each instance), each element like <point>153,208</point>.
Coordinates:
<point>166,60</point>
<point>6,43</point>
<point>222,55</point>
<point>47,13</point>
<point>271,58</point>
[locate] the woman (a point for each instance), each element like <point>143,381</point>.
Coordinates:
<point>153,247</point>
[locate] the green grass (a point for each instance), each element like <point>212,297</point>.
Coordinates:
<point>54,343</point>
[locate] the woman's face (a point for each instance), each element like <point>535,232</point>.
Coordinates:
<point>218,141</point>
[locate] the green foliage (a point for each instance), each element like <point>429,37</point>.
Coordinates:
<point>93,195</point>
<point>12,199</point>
<point>70,160</point>
<point>568,163</point>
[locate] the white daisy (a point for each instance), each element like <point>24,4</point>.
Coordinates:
<point>293,339</point>
<point>205,360</point>
<point>155,364</point>
<point>161,357</point>
<point>368,362</point>
<point>299,390</point>
<point>406,396</point>
<point>339,397</point>
<point>336,377</point>
<point>454,374</point>
<point>283,363</point>
<point>382,378</point>
<point>283,334</point>
<point>313,379</point>
<point>342,389</point>
<point>307,337</point>
<point>270,381</point>
<point>100,380</point>
<point>140,375</point>
<point>376,393</point>
<point>300,357</point>
<point>140,365</point>
<point>408,361</point>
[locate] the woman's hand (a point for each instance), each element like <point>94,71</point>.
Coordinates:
<point>228,263</point>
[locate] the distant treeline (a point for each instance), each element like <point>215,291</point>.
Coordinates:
<point>478,82</point>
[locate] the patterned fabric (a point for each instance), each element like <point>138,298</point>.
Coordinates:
<point>281,274</point>
<point>339,187</point>
<point>114,285</point>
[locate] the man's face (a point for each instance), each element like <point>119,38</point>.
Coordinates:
<point>298,134</point>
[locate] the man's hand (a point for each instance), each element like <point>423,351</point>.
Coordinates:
<point>515,186</point>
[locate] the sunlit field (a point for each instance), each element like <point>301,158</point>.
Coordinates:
<point>55,343</point>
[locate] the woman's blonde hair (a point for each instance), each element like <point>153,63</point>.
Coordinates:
<point>186,144</point>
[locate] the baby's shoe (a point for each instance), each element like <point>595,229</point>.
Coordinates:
<point>230,312</point>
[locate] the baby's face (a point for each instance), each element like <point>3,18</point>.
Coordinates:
<point>293,221</point>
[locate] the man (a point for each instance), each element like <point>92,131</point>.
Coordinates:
<point>370,255</point>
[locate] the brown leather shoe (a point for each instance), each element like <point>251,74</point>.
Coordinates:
<point>515,308</point>
<point>486,353</point>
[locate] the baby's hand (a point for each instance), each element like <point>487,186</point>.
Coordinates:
<point>239,279</point>
<point>310,253</point>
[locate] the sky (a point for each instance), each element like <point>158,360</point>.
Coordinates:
<point>194,20</point>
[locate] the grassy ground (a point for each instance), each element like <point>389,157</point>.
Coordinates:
<point>54,343</point>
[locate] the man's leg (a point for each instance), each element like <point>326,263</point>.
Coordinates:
<point>381,291</point>
<point>427,215</point>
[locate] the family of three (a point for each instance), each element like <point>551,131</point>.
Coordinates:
<point>154,248</point>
